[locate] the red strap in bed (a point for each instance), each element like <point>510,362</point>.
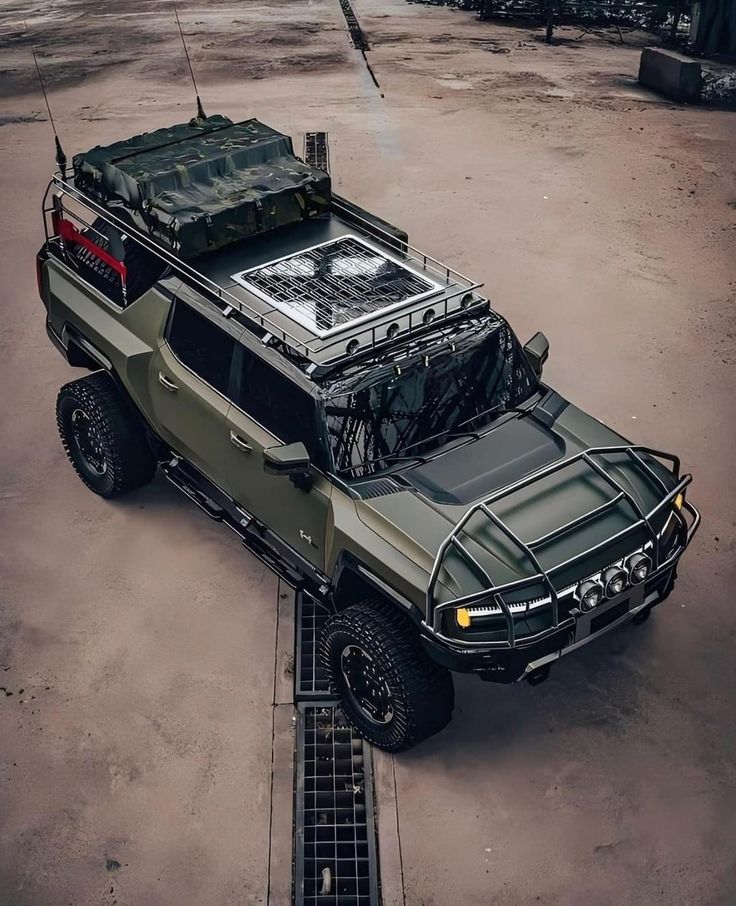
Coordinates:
<point>70,233</point>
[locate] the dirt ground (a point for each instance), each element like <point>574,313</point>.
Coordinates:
<point>137,638</point>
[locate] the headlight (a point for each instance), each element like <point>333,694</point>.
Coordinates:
<point>639,566</point>
<point>590,594</point>
<point>614,581</point>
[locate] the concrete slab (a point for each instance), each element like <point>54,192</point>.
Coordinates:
<point>671,74</point>
<point>389,838</point>
<point>137,638</point>
<point>137,651</point>
<point>284,669</point>
<point>282,807</point>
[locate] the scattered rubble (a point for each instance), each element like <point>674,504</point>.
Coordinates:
<point>719,89</point>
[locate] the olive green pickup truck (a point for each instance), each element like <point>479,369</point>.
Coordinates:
<point>355,410</point>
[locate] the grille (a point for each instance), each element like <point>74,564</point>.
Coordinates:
<point>335,831</point>
<point>311,615</point>
<point>335,283</point>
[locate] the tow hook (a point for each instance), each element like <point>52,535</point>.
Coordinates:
<point>538,676</point>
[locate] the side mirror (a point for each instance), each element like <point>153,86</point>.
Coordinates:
<point>286,459</point>
<point>537,351</point>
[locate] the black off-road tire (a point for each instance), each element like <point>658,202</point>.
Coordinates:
<point>421,692</point>
<point>123,460</point>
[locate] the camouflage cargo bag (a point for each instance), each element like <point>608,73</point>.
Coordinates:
<point>206,184</point>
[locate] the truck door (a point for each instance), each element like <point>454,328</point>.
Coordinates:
<point>189,377</point>
<point>269,409</point>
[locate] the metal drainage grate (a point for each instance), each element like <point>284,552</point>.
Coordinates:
<point>356,32</point>
<point>311,615</point>
<point>317,150</point>
<point>335,843</point>
<point>357,36</point>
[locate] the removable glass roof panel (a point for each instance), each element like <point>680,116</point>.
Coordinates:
<point>331,286</point>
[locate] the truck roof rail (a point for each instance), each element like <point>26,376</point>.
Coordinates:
<point>357,288</point>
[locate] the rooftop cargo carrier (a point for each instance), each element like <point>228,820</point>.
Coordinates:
<point>204,185</point>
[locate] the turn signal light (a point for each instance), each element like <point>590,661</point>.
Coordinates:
<point>679,500</point>
<point>462,616</point>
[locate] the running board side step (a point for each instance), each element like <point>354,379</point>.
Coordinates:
<point>177,477</point>
<point>255,537</point>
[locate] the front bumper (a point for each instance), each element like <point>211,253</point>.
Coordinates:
<point>511,664</point>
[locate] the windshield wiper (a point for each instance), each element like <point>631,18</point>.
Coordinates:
<point>393,458</point>
<point>497,410</point>
<point>401,456</point>
<point>398,455</point>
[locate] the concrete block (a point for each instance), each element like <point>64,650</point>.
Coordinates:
<point>671,74</point>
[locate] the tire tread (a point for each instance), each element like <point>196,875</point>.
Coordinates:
<point>130,460</point>
<point>426,688</point>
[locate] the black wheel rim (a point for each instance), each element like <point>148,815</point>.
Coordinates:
<point>87,442</point>
<point>368,691</point>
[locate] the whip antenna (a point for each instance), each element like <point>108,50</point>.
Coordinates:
<point>60,156</point>
<point>200,110</point>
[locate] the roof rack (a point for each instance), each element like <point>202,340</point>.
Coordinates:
<point>360,290</point>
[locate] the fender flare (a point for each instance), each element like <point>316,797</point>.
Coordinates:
<point>350,573</point>
<point>71,338</point>
<point>76,345</point>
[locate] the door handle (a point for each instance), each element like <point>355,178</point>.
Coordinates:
<point>168,384</point>
<point>240,443</point>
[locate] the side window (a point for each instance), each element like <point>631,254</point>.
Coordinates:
<point>202,346</point>
<point>278,404</point>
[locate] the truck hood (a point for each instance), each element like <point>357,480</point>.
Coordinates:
<point>431,498</point>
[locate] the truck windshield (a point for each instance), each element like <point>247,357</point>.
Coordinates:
<point>375,419</point>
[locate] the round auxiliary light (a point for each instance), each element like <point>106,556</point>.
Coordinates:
<point>352,347</point>
<point>466,301</point>
<point>393,329</point>
<point>614,581</point>
<point>639,567</point>
<point>590,594</point>
<point>428,316</point>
